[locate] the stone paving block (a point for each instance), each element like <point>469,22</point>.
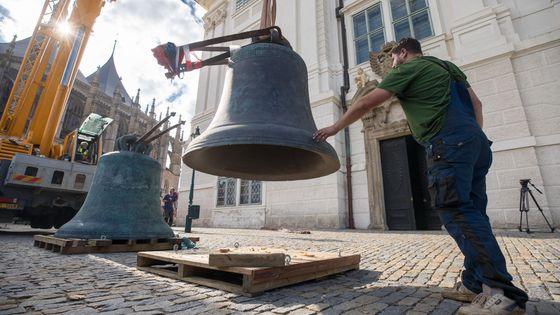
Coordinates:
<point>151,307</point>
<point>301,311</point>
<point>82,311</point>
<point>122,311</point>
<point>397,271</point>
<point>318,307</point>
<point>14,310</point>
<point>446,307</point>
<point>287,308</point>
<point>395,310</point>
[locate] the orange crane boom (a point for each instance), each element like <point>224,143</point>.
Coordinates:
<point>37,102</point>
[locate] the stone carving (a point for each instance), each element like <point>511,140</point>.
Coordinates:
<point>361,78</point>
<point>378,117</point>
<point>381,63</point>
<point>214,18</point>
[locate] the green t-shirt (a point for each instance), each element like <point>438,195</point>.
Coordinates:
<point>423,88</point>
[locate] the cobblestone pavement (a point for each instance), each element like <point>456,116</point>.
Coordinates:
<point>401,273</point>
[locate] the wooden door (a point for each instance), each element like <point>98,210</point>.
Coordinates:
<point>399,206</point>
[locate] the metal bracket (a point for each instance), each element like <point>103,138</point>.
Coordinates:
<point>266,35</point>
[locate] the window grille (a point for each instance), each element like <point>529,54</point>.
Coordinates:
<point>369,32</point>
<point>250,192</point>
<point>411,18</point>
<point>240,4</point>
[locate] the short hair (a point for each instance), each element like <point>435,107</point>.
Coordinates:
<point>410,44</point>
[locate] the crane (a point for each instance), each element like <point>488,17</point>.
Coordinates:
<point>43,181</point>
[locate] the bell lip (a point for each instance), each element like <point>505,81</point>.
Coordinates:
<point>332,165</point>
<point>302,140</point>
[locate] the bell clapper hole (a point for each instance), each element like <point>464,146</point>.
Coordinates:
<point>236,245</point>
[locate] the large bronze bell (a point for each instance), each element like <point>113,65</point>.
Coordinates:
<point>263,127</point>
<point>123,202</point>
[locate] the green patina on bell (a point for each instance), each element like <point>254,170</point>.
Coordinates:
<point>123,202</point>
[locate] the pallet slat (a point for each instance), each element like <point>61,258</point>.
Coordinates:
<point>246,259</point>
<point>80,246</point>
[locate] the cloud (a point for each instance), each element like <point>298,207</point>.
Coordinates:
<point>4,13</point>
<point>192,5</point>
<point>6,23</point>
<point>171,98</point>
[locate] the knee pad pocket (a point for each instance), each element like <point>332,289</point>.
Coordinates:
<point>443,191</point>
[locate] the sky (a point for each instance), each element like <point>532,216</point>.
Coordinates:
<point>138,26</point>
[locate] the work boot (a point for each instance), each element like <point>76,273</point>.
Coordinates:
<point>491,305</point>
<point>459,293</point>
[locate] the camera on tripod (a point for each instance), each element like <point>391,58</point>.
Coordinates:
<point>524,204</point>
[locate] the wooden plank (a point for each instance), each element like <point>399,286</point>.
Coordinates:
<point>196,260</point>
<point>216,284</point>
<point>277,283</point>
<point>101,242</point>
<point>79,246</point>
<point>240,259</point>
<point>78,242</point>
<point>301,269</point>
<point>51,240</point>
<point>194,239</point>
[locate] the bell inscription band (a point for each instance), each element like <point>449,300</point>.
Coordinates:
<point>123,202</point>
<point>263,127</point>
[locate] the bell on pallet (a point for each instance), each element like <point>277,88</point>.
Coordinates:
<point>123,202</point>
<point>263,127</point>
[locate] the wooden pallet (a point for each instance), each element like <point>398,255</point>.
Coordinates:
<point>80,246</point>
<point>250,281</point>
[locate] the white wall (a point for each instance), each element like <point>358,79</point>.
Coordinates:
<point>508,48</point>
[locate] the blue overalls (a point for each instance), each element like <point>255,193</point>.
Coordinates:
<point>459,157</point>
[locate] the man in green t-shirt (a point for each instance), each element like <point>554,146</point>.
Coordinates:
<point>445,116</point>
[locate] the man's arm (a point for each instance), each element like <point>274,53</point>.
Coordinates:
<point>477,105</point>
<point>357,110</point>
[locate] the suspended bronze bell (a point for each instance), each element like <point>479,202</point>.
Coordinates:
<point>263,127</point>
<point>123,202</point>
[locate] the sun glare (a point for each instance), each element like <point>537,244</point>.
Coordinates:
<point>64,28</point>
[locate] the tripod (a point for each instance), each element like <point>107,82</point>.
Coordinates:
<point>524,204</point>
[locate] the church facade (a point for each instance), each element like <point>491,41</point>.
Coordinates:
<point>102,92</point>
<point>510,51</point>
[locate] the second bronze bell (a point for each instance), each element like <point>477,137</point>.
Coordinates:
<point>263,127</point>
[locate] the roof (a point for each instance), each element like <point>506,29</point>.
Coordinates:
<point>21,47</point>
<point>109,79</point>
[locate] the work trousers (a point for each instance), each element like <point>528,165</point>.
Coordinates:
<point>459,157</point>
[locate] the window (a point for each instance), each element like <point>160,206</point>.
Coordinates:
<point>31,171</point>
<point>226,192</point>
<point>240,4</point>
<point>250,192</point>
<point>411,18</point>
<point>57,177</point>
<point>368,32</point>
<point>80,181</point>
